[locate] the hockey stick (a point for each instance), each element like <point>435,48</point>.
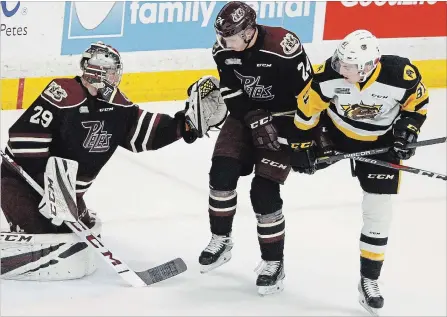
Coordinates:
<point>333,158</point>
<point>400,167</point>
<point>143,278</point>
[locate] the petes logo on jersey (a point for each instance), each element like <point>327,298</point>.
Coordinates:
<point>290,44</point>
<point>253,89</point>
<point>55,91</point>
<point>97,139</point>
<point>361,111</point>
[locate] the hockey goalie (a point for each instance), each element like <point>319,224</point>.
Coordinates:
<point>81,120</point>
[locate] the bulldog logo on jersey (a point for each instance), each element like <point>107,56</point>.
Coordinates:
<point>361,111</point>
<point>290,44</point>
<point>253,89</point>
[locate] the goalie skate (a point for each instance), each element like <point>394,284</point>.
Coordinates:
<point>217,252</point>
<point>369,296</point>
<point>270,277</point>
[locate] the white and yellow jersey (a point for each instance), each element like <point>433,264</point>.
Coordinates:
<point>364,112</point>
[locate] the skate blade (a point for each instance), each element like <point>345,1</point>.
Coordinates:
<point>372,311</point>
<point>222,260</point>
<point>273,289</point>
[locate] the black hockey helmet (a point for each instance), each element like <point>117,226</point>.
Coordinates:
<point>233,18</point>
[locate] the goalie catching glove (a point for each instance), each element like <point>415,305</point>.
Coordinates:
<point>205,107</point>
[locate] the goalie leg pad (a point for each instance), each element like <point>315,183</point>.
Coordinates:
<point>19,203</point>
<point>46,257</point>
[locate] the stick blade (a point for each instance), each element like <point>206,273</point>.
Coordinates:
<point>163,271</point>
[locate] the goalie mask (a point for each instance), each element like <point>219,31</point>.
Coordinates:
<point>102,67</point>
<point>205,107</point>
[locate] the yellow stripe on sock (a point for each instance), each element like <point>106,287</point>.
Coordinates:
<point>372,256</point>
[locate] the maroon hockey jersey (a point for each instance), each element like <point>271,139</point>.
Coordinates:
<point>269,75</point>
<point>66,121</point>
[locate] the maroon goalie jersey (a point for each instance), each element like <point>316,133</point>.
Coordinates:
<point>66,121</point>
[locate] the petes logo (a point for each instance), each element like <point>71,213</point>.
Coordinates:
<point>361,111</point>
<point>97,139</point>
<point>290,44</point>
<point>253,89</point>
<point>55,91</point>
<point>233,61</point>
<point>237,15</point>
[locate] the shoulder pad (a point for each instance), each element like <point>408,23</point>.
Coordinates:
<point>398,72</point>
<point>325,72</point>
<point>121,99</point>
<point>64,92</point>
<point>282,42</point>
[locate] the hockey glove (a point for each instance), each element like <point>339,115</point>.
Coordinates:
<point>303,157</point>
<point>324,145</point>
<point>263,132</point>
<point>405,131</point>
<point>205,107</point>
<point>188,135</point>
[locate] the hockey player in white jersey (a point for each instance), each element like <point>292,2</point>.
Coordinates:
<point>365,100</point>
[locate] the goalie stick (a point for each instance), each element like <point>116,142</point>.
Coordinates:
<point>333,158</point>
<point>136,279</point>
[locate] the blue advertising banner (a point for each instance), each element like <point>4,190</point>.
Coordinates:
<point>168,25</point>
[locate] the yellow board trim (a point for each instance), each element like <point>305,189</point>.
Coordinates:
<point>164,86</point>
<point>372,256</point>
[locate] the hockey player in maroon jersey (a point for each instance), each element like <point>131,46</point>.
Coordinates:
<point>85,119</point>
<point>262,69</point>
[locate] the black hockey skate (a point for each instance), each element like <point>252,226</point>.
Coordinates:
<point>217,252</point>
<point>270,277</point>
<point>370,297</point>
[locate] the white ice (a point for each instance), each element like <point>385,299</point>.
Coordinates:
<point>154,208</point>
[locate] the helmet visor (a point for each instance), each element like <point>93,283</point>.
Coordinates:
<point>343,68</point>
<point>234,41</point>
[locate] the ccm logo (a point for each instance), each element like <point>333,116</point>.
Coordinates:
<point>381,176</point>
<point>261,122</point>
<point>274,164</point>
<point>302,145</point>
<point>16,237</point>
<point>52,197</point>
